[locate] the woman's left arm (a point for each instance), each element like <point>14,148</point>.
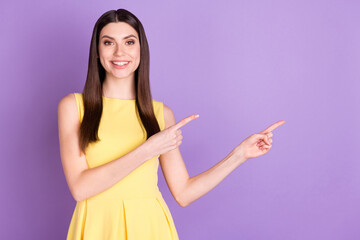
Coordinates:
<point>187,189</point>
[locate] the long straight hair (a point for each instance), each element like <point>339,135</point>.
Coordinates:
<point>92,92</point>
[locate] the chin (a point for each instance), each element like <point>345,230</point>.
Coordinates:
<point>123,75</point>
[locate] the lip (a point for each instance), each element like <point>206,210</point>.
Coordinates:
<point>119,66</point>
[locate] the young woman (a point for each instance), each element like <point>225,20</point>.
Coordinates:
<point>113,136</point>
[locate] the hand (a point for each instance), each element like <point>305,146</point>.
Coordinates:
<point>167,139</point>
<point>257,144</point>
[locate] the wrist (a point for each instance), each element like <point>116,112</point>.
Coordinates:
<point>144,150</point>
<point>239,156</point>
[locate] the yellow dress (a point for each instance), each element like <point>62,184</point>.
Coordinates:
<point>133,208</point>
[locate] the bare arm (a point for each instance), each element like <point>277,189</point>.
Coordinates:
<point>202,183</point>
<point>187,189</point>
<point>82,181</point>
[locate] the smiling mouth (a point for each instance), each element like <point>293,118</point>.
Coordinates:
<point>120,64</point>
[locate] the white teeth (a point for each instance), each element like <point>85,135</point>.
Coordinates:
<point>120,63</point>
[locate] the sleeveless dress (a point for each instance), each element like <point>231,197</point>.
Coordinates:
<point>133,208</point>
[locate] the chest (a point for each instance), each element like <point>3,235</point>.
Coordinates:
<point>120,131</point>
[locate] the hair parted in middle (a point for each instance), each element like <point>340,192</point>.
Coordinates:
<point>92,92</point>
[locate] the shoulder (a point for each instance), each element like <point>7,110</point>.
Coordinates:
<point>169,117</point>
<point>67,105</point>
<point>67,101</point>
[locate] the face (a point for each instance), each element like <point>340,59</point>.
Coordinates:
<point>119,44</point>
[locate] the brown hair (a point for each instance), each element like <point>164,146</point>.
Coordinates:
<point>92,92</point>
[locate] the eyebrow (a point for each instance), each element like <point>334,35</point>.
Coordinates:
<point>129,36</point>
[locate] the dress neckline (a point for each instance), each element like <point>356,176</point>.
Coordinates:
<point>118,99</point>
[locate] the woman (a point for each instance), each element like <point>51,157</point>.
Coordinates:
<point>113,135</point>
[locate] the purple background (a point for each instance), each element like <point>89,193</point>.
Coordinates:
<point>242,66</point>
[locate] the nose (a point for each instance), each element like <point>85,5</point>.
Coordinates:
<point>119,50</point>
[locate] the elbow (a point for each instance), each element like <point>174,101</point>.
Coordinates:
<point>77,191</point>
<point>76,195</point>
<point>182,202</point>
<point>77,198</point>
<point>182,198</point>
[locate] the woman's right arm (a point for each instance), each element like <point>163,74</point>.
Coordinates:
<point>82,181</point>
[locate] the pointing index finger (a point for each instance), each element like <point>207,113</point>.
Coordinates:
<point>184,121</point>
<point>273,126</point>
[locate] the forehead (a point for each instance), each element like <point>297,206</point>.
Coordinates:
<point>118,30</point>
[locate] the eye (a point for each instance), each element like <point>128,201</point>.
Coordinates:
<point>105,43</point>
<point>131,42</point>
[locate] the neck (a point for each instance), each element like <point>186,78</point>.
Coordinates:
<point>122,88</point>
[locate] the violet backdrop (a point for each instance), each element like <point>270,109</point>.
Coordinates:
<point>241,65</point>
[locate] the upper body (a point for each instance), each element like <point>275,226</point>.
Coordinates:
<point>74,160</point>
<point>119,54</point>
<point>121,51</point>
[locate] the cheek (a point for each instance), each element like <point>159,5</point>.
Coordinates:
<point>102,62</point>
<point>104,52</point>
<point>136,55</point>
<point>103,56</point>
